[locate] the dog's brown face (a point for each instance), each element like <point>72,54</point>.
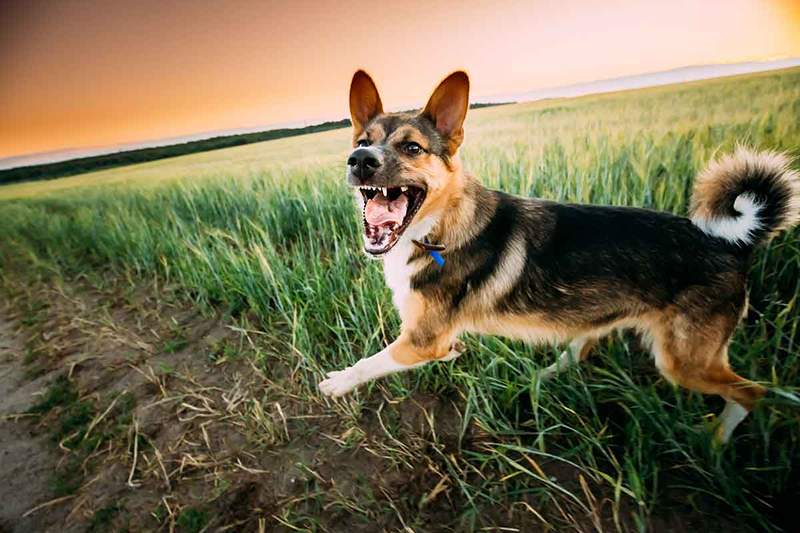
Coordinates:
<point>402,164</point>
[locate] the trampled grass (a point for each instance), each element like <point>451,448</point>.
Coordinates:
<point>270,229</point>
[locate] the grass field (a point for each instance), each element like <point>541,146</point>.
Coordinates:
<point>267,232</point>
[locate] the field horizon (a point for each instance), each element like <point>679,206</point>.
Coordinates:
<point>209,162</point>
<point>176,316</point>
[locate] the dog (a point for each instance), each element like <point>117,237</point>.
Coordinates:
<point>459,257</point>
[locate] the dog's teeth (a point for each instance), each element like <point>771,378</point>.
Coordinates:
<point>403,188</point>
<point>385,191</point>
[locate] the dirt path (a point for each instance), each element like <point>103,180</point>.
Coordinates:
<point>164,423</point>
<point>118,386</point>
<point>27,460</point>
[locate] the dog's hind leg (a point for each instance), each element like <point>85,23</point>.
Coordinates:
<point>697,359</point>
<point>740,394</point>
<point>577,351</point>
<point>731,416</point>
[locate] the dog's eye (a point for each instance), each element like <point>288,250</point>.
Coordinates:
<point>361,143</point>
<point>412,148</point>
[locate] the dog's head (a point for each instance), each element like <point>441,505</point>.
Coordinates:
<point>404,164</point>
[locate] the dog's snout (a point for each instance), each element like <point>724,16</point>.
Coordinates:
<point>363,163</point>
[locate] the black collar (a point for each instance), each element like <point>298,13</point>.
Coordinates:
<point>429,246</point>
<point>432,249</point>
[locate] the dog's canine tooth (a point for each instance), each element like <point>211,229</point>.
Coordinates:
<point>403,188</point>
<point>385,191</point>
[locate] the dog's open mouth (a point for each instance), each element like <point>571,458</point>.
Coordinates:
<point>387,213</point>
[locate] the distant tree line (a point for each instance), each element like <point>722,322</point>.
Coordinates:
<point>143,155</point>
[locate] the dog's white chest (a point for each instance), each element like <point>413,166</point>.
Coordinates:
<point>398,272</point>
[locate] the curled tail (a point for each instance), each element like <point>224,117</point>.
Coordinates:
<point>747,197</point>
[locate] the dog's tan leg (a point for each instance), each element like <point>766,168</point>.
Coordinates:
<point>340,382</point>
<point>740,394</point>
<point>698,360</point>
<point>403,354</point>
<point>578,351</point>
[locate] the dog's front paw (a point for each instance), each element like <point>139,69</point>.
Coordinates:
<point>339,382</point>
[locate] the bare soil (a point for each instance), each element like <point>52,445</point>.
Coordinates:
<point>209,440</point>
<point>27,459</point>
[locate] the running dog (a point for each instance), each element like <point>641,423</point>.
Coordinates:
<point>459,257</point>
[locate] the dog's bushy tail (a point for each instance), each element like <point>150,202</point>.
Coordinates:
<point>747,197</point>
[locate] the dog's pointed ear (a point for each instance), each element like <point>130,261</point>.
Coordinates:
<point>447,108</point>
<point>365,102</point>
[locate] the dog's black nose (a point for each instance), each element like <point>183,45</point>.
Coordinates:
<point>363,163</point>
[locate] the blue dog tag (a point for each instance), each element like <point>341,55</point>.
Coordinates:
<point>432,249</point>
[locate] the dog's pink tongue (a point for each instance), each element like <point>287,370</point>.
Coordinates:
<point>380,210</point>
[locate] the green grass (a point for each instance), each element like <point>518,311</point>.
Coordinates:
<point>191,521</point>
<point>66,479</point>
<point>282,242</point>
<point>60,393</point>
<point>101,519</point>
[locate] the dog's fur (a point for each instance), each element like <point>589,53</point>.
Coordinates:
<point>542,271</point>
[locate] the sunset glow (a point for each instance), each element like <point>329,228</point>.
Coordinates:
<point>83,73</point>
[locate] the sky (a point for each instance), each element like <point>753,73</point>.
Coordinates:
<point>87,73</point>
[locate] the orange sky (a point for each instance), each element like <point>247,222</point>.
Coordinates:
<point>76,73</point>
